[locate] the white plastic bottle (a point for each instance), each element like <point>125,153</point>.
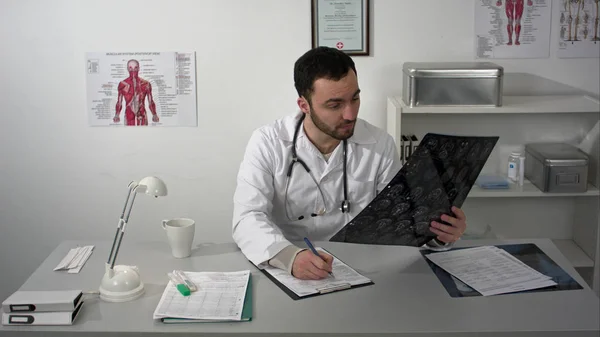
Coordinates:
<point>513,166</point>
<point>521,170</point>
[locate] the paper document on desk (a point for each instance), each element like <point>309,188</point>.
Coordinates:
<point>344,277</point>
<point>490,270</point>
<point>220,297</point>
<point>75,259</point>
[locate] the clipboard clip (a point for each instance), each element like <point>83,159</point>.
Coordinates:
<point>333,287</point>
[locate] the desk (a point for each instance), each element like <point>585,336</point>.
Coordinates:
<point>407,298</point>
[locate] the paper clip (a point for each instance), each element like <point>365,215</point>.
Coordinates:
<point>332,288</point>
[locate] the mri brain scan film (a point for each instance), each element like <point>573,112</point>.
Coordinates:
<point>437,176</point>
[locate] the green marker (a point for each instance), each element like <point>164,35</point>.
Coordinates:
<point>180,285</point>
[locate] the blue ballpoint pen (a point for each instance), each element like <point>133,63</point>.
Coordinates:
<point>312,248</point>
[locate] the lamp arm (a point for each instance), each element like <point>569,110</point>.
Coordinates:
<point>112,249</point>
<point>132,185</point>
<point>120,225</point>
<point>122,231</point>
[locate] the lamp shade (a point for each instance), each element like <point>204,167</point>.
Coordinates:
<point>153,186</point>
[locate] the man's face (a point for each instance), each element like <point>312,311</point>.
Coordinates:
<point>334,105</point>
<point>133,67</point>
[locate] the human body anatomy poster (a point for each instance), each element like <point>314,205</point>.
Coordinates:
<point>141,88</point>
<point>579,28</point>
<point>512,28</point>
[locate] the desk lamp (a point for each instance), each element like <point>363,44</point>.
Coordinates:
<point>122,283</point>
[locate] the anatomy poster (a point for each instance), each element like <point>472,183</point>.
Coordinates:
<point>512,28</point>
<point>141,89</point>
<point>579,28</point>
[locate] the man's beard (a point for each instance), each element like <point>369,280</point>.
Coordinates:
<point>339,134</point>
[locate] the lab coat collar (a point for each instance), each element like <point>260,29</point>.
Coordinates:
<point>287,126</point>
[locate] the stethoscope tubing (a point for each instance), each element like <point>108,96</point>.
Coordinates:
<point>345,206</point>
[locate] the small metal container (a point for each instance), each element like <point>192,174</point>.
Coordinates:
<point>452,83</point>
<point>556,167</point>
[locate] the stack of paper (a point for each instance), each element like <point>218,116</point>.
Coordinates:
<point>221,297</point>
<point>490,270</point>
<point>75,259</point>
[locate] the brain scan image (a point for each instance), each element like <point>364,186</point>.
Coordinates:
<point>439,175</point>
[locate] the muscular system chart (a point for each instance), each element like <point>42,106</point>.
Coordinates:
<point>512,28</point>
<point>141,88</point>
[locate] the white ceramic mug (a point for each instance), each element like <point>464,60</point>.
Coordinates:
<point>180,234</point>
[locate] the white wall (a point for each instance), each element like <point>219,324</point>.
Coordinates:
<point>60,179</point>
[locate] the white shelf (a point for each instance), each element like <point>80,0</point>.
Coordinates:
<point>527,190</point>
<point>514,104</point>
<point>573,253</point>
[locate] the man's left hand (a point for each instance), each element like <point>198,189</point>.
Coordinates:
<point>155,118</point>
<point>453,232</point>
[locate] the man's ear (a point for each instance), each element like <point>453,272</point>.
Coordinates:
<point>303,105</point>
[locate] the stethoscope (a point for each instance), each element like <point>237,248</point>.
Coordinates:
<point>345,206</point>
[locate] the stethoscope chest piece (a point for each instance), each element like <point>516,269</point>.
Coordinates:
<point>345,206</point>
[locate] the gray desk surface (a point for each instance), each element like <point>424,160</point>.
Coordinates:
<point>406,299</point>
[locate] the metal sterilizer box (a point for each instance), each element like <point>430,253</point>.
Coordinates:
<point>556,167</point>
<point>452,83</point>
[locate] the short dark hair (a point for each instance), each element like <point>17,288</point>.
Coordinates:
<point>320,62</point>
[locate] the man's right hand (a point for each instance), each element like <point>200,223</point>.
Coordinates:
<point>116,119</point>
<point>308,266</point>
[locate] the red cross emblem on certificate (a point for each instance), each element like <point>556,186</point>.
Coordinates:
<point>339,45</point>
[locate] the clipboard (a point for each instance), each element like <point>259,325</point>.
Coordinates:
<point>528,253</point>
<point>289,284</point>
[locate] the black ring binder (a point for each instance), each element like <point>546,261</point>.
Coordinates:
<point>20,319</point>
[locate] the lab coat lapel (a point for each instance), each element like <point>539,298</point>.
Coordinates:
<point>311,155</point>
<point>335,160</point>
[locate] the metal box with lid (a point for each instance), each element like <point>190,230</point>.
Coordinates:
<point>556,167</point>
<point>452,83</point>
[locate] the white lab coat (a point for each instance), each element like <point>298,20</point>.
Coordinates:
<point>261,227</point>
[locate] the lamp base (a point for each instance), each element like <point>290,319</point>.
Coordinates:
<point>121,284</point>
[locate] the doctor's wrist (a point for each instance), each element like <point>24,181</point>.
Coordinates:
<point>437,245</point>
<point>285,258</point>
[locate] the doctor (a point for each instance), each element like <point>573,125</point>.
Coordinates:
<point>309,174</point>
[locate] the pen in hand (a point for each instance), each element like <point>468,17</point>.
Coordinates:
<point>312,248</point>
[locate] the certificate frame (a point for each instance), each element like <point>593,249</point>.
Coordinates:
<point>355,40</point>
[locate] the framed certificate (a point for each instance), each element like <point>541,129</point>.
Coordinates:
<point>341,24</point>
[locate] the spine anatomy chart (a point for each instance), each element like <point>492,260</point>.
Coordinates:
<point>512,28</point>
<point>579,25</point>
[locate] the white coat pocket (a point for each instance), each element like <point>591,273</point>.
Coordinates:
<point>360,194</point>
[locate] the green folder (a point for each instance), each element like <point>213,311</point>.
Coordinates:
<point>246,310</point>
